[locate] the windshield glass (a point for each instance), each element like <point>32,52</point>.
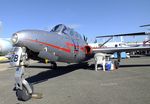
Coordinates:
<point>57,28</point>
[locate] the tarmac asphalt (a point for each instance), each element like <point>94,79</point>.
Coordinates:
<point>77,84</point>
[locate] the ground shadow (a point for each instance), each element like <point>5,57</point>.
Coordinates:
<point>61,70</point>
<point>52,73</point>
<point>4,62</point>
<point>135,65</point>
<point>92,66</point>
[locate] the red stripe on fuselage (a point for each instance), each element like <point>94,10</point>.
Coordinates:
<point>51,45</point>
<point>58,47</point>
<point>72,45</point>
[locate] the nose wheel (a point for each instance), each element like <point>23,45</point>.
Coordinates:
<point>23,94</point>
<point>24,90</point>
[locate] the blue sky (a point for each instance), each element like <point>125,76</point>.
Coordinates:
<point>88,17</point>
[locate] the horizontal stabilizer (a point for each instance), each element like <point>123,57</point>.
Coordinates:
<point>145,25</point>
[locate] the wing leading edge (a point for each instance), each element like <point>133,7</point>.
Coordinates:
<point>119,49</point>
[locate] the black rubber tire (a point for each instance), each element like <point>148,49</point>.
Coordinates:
<point>23,94</point>
<point>116,64</point>
<point>53,65</point>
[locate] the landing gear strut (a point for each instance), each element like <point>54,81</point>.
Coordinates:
<point>116,62</point>
<point>23,89</point>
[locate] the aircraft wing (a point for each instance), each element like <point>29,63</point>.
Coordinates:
<point>129,34</point>
<point>119,49</point>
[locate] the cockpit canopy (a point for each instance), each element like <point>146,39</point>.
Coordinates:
<point>59,28</point>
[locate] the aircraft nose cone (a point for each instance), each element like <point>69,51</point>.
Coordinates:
<point>14,38</point>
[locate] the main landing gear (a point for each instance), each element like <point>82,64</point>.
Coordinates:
<point>116,62</point>
<point>24,90</point>
<point>53,65</point>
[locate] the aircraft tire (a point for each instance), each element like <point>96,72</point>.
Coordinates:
<point>116,64</point>
<point>23,94</point>
<point>53,65</point>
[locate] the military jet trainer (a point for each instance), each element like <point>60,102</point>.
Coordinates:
<point>61,44</point>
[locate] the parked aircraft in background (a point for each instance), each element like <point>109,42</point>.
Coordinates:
<point>5,46</point>
<point>61,44</point>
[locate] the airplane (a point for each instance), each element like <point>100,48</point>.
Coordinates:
<point>61,44</point>
<point>5,46</point>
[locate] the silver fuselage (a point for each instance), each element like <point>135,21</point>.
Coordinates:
<point>61,47</point>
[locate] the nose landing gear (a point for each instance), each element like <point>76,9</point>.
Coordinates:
<point>23,89</point>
